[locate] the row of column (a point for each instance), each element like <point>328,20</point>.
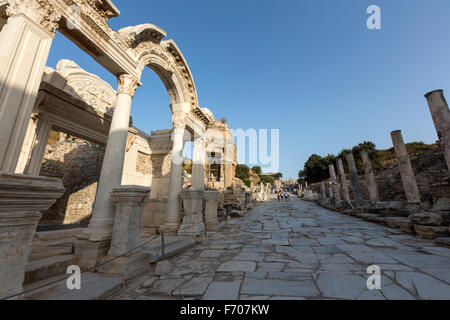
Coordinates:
<point>441,117</point>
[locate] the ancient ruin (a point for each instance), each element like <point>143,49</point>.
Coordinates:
<point>81,187</point>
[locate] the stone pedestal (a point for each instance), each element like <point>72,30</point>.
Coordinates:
<point>211,202</point>
<point>22,199</point>
<point>405,167</point>
<point>129,202</point>
<point>193,224</point>
<point>370,177</point>
<point>441,117</point>
<point>357,196</point>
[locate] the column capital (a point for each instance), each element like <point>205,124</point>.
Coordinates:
<point>127,84</point>
<point>40,11</point>
<point>179,125</point>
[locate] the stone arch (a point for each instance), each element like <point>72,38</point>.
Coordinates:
<point>163,57</point>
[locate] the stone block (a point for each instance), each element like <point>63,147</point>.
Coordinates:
<point>431,232</point>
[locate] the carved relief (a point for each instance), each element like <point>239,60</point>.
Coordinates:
<point>40,11</point>
<point>82,85</point>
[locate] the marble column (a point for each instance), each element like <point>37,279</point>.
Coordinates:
<point>343,181</point>
<point>100,226</point>
<point>25,42</point>
<point>173,216</point>
<point>370,177</point>
<point>405,167</point>
<point>334,185</point>
<point>354,177</point>
<point>441,117</point>
<point>198,164</point>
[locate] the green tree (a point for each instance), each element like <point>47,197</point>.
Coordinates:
<point>267,179</point>
<point>278,176</point>
<point>373,153</point>
<point>242,172</point>
<point>257,170</point>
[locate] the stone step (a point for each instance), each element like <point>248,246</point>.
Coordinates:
<point>93,287</point>
<point>39,252</point>
<point>47,267</point>
<point>58,235</point>
<point>173,246</point>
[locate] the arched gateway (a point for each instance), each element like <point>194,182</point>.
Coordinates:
<point>27,29</point>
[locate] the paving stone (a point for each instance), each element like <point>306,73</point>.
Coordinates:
<point>267,266</point>
<point>211,253</point>
<point>279,288</point>
<point>427,287</point>
<point>394,292</point>
<point>222,291</point>
<point>194,287</point>
<point>341,286</point>
<point>243,266</point>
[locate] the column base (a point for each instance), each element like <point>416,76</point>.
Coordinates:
<point>170,228</point>
<point>88,253</point>
<point>214,225</point>
<point>17,230</point>
<point>126,267</point>
<point>192,226</point>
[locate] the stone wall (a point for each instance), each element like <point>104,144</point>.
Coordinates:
<point>78,163</point>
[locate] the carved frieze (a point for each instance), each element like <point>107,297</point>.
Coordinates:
<point>40,11</point>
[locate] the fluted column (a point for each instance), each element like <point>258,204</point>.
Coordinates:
<point>198,166</point>
<point>405,167</point>
<point>100,227</point>
<point>441,117</point>
<point>370,177</point>
<point>334,184</point>
<point>25,42</point>
<point>354,177</point>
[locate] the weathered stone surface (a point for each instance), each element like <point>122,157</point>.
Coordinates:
<point>194,287</point>
<point>427,287</point>
<point>431,232</point>
<point>222,291</point>
<point>240,266</point>
<point>426,219</point>
<point>279,287</point>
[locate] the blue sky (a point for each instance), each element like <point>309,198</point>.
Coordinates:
<point>310,68</point>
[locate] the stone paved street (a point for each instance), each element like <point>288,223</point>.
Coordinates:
<point>297,250</point>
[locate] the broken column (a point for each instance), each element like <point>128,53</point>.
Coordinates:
<point>405,167</point>
<point>370,177</point>
<point>343,180</point>
<point>354,177</point>
<point>334,185</point>
<point>126,236</point>
<point>323,192</point>
<point>211,203</point>
<point>441,117</point>
<point>22,201</point>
